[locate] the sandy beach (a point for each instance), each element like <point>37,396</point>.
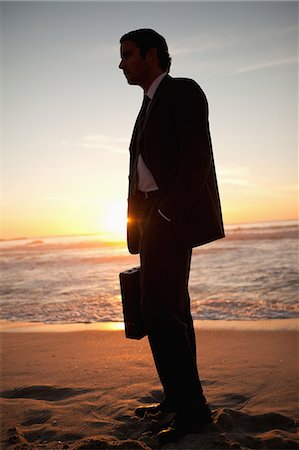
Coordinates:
<point>77,388</point>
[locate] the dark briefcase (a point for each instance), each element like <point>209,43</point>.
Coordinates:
<point>130,294</point>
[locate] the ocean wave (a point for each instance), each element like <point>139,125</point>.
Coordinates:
<point>276,230</point>
<point>252,274</point>
<point>99,309</point>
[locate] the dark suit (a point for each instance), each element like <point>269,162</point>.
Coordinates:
<point>176,147</point>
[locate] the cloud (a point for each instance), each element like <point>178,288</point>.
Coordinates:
<point>60,199</point>
<point>181,49</point>
<point>287,188</point>
<point>234,175</point>
<point>243,177</point>
<point>101,142</point>
<point>290,188</point>
<point>199,44</point>
<point>268,64</point>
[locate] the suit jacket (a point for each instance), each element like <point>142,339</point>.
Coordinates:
<point>176,147</point>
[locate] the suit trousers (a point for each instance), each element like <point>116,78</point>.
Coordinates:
<point>165,305</point>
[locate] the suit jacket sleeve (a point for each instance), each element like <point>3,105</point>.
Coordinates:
<point>190,116</point>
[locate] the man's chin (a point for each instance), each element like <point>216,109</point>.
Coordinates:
<point>133,82</point>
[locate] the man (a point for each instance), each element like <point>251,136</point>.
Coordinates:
<point>173,205</point>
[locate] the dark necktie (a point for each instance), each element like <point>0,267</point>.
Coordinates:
<point>140,122</point>
<point>142,113</point>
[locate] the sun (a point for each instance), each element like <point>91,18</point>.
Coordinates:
<point>113,221</point>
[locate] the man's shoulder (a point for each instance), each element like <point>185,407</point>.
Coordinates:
<point>185,86</point>
<point>181,82</point>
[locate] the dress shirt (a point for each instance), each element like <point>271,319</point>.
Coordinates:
<point>146,181</point>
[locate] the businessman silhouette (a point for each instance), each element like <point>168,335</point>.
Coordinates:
<point>173,206</point>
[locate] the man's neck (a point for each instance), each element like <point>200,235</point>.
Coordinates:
<point>154,86</point>
<point>146,85</point>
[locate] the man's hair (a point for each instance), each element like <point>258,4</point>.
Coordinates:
<point>146,38</point>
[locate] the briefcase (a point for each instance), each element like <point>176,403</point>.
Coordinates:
<point>130,294</point>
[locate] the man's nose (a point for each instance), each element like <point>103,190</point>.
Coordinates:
<point>120,66</point>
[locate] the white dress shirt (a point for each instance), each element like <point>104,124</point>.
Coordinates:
<point>146,181</point>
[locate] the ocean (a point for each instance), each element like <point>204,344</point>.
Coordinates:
<point>252,274</point>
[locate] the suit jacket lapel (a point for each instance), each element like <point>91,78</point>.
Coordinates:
<point>152,104</point>
<point>133,144</point>
<point>164,83</point>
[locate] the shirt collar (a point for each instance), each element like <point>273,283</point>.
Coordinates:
<point>154,86</point>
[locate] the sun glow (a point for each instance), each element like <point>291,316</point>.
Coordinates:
<point>113,221</point>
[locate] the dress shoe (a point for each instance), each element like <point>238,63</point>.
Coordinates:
<point>154,408</point>
<point>181,427</point>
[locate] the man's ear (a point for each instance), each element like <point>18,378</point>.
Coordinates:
<point>152,55</point>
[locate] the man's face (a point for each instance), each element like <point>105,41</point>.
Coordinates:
<point>136,69</point>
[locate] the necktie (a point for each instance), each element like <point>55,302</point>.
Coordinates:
<point>140,122</point>
<point>142,113</point>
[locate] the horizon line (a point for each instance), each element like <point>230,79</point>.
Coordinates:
<point>115,241</point>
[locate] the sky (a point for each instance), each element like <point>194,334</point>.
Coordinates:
<point>68,112</point>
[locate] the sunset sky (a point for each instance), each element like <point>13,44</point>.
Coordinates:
<point>68,111</point>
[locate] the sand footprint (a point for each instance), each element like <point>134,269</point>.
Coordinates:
<point>154,396</point>
<point>270,430</point>
<point>261,423</point>
<point>48,393</point>
<point>37,416</point>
